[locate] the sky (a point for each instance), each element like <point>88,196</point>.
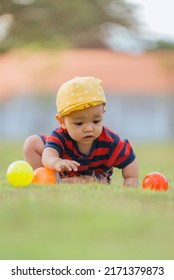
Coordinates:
<point>158,17</point>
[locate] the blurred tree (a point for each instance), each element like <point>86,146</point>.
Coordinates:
<point>169,45</point>
<point>58,23</point>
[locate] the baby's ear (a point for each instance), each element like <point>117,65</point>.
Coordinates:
<point>61,121</point>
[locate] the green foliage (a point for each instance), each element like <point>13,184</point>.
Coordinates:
<point>88,221</point>
<point>77,23</point>
<point>167,45</point>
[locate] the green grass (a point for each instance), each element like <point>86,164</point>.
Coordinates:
<point>88,221</point>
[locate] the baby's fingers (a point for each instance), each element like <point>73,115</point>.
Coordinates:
<point>70,165</point>
<point>67,165</point>
<point>74,165</point>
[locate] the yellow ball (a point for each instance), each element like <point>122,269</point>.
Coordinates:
<point>20,173</point>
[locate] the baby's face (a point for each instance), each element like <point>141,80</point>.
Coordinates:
<point>84,126</point>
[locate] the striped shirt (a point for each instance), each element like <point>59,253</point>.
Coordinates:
<point>107,151</point>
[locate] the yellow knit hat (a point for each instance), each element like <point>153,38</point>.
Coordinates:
<point>78,94</point>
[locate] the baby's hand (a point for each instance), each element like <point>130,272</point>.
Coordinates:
<point>131,182</point>
<point>66,165</point>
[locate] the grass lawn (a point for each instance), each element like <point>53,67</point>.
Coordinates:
<point>88,221</point>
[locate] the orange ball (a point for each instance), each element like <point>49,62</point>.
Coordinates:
<point>45,176</point>
<point>155,181</point>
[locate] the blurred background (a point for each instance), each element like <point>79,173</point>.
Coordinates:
<point>45,43</point>
<point>129,45</point>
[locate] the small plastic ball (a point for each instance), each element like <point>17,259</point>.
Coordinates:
<point>155,181</point>
<point>20,173</point>
<point>45,176</point>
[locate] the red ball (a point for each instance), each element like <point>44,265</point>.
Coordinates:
<point>155,181</point>
<point>44,176</point>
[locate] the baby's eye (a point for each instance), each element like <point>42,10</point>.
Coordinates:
<point>78,123</point>
<point>96,121</point>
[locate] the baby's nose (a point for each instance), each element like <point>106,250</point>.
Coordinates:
<point>88,128</point>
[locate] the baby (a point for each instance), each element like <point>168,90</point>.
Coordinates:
<point>82,149</point>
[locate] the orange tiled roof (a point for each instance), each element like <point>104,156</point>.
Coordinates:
<point>45,71</point>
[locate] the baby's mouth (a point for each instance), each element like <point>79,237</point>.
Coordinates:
<point>88,137</point>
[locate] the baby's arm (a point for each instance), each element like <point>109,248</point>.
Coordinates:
<point>51,160</point>
<point>130,174</point>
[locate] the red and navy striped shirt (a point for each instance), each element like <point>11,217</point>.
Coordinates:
<point>107,151</point>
